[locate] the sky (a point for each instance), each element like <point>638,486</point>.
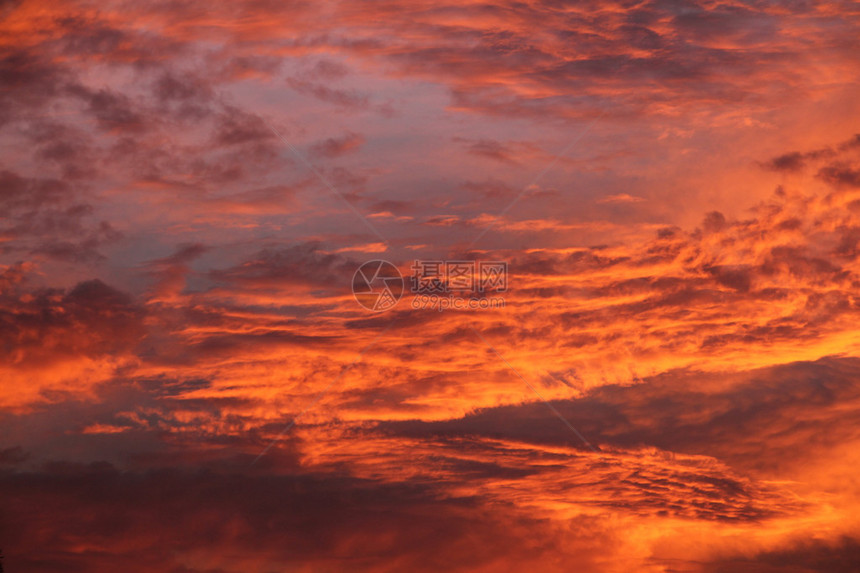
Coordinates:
<point>189,382</point>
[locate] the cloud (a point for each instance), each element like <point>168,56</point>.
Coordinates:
<point>295,264</point>
<point>56,341</point>
<point>263,522</point>
<point>350,99</point>
<point>46,216</point>
<point>750,420</point>
<point>620,198</point>
<point>804,555</point>
<point>840,175</point>
<point>491,149</point>
<point>39,328</point>
<point>796,161</point>
<point>335,147</point>
<point>115,113</point>
<point>235,126</point>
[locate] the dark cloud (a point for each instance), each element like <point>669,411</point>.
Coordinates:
<point>337,146</point>
<point>490,188</point>
<point>840,175</point>
<point>19,193</point>
<point>92,37</point>
<point>798,160</point>
<point>294,265</point>
<point>46,216</point>
<point>183,254</point>
<point>30,79</point>
<point>13,455</point>
<point>490,149</point>
<point>805,556</point>
<point>853,143</point>
<point>115,112</point>
<point>12,276</point>
<point>328,70</point>
<point>789,162</point>
<point>91,319</point>
<point>167,519</point>
<point>349,99</point>
<point>750,420</point>
<point>235,126</point>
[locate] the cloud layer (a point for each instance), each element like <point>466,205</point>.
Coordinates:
<point>187,189</point>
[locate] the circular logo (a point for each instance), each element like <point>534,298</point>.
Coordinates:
<point>377,285</point>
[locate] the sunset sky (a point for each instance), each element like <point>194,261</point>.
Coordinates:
<point>189,385</point>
